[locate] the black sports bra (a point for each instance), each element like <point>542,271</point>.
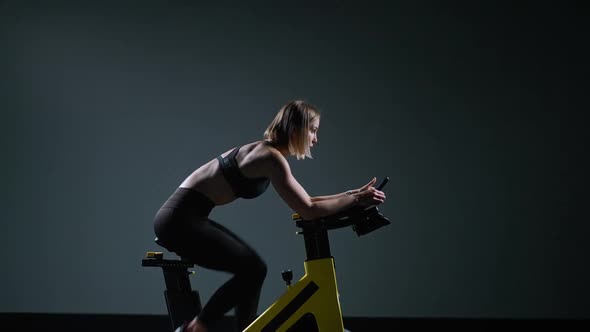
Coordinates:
<point>242,186</point>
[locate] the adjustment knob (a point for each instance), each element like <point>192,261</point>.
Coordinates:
<point>287,276</point>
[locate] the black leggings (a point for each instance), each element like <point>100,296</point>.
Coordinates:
<point>183,227</point>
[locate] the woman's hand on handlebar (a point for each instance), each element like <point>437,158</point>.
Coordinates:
<point>368,195</point>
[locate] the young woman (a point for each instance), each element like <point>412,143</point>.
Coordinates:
<point>183,226</point>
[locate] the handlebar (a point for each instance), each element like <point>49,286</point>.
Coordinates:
<point>362,219</point>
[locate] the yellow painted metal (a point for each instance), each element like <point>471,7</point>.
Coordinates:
<point>323,304</point>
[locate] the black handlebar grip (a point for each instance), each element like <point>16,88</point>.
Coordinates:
<point>383,183</point>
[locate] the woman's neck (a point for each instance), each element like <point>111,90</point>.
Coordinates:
<point>282,149</point>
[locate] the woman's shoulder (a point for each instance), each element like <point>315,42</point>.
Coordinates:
<point>264,155</point>
<point>263,151</point>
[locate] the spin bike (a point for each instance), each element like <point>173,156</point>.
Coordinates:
<point>309,305</point>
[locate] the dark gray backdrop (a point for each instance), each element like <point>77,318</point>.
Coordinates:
<point>470,109</point>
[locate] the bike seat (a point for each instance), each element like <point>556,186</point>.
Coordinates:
<point>161,244</point>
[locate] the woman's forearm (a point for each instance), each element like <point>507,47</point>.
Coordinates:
<point>331,205</point>
<point>323,198</point>
<point>335,196</point>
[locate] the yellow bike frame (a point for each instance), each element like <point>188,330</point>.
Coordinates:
<point>312,304</point>
<point>309,305</point>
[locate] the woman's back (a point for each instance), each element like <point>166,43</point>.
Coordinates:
<point>251,170</point>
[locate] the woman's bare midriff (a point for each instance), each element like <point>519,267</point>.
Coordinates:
<point>208,179</point>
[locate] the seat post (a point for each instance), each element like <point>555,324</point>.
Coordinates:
<point>182,302</point>
<point>176,278</point>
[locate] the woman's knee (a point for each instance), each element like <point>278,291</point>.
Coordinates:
<point>253,269</point>
<point>260,269</point>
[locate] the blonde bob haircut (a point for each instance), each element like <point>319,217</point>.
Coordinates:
<point>290,128</point>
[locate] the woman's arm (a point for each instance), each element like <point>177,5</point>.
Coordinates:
<point>297,198</point>
<point>349,192</point>
<point>335,196</point>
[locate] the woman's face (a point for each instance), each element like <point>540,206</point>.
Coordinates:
<point>314,126</point>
